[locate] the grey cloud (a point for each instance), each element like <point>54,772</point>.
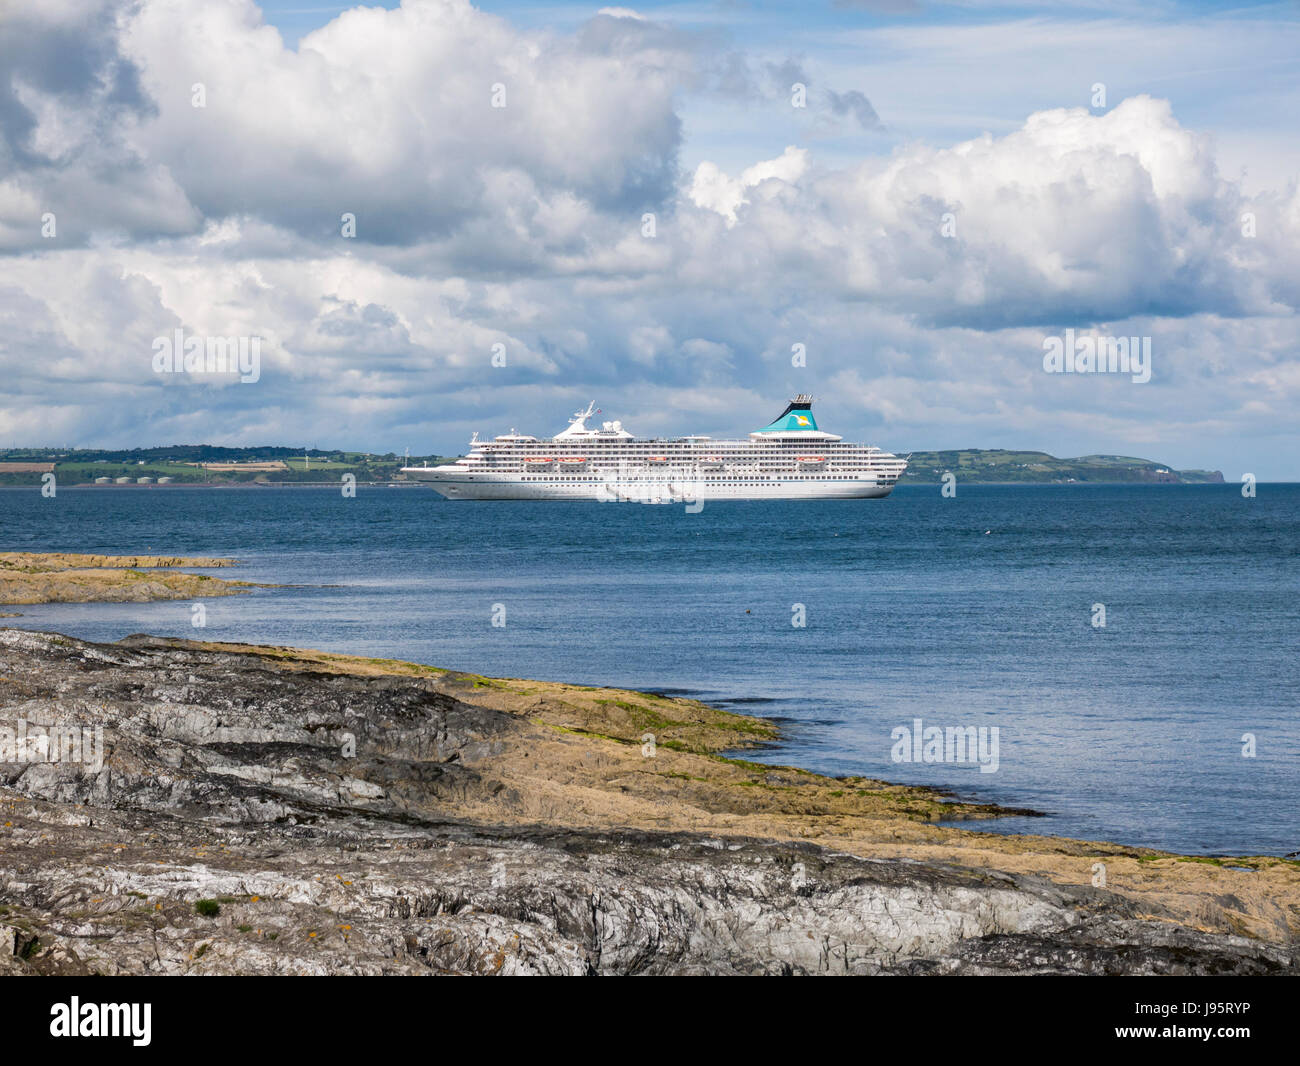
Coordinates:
<point>70,56</point>
<point>784,74</point>
<point>856,104</point>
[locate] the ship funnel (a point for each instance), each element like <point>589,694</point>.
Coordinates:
<point>796,417</point>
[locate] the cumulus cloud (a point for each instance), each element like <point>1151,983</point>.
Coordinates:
<point>416,120</point>
<point>67,100</point>
<point>713,189</point>
<point>1073,216</point>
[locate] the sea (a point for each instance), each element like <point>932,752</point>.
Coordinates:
<point>1134,646</point>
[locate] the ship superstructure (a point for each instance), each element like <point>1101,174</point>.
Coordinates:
<point>788,459</point>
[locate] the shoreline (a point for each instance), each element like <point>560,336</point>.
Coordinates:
<point>754,732</point>
<point>71,577</point>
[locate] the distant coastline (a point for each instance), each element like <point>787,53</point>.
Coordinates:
<point>211,466</point>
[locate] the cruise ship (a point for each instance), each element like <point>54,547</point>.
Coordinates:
<point>788,459</point>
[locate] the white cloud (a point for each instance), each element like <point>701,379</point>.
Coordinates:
<point>712,189</point>
<point>1073,216</point>
<point>385,114</point>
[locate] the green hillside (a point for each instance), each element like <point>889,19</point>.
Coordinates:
<point>203,464</point>
<point>1001,465</point>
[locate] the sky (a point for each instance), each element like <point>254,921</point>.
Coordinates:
<point>435,218</point>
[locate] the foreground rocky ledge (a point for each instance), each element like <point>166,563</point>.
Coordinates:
<point>265,810</point>
<point>71,577</point>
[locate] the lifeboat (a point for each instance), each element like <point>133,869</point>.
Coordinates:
<point>810,460</point>
<point>539,462</point>
<point>656,458</point>
<point>712,461</point>
<point>572,460</point>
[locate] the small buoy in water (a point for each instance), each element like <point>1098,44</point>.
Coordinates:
<point>747,612</point>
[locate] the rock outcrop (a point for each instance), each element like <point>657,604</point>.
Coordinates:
<point>259,811</point>
<point>70,577</point>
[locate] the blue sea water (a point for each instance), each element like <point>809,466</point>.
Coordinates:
<point>975,610</point>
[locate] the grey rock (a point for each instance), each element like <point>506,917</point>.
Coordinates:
<point>224,778</point>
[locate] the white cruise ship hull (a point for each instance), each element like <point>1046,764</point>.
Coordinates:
<point>459,486</point>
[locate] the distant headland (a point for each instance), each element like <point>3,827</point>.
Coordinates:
<point>1000,466</point>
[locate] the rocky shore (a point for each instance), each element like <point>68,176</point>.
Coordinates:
<point>70,577</point>
<point>233,809</point>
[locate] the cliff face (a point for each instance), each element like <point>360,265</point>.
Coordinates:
<point>345,822</point>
